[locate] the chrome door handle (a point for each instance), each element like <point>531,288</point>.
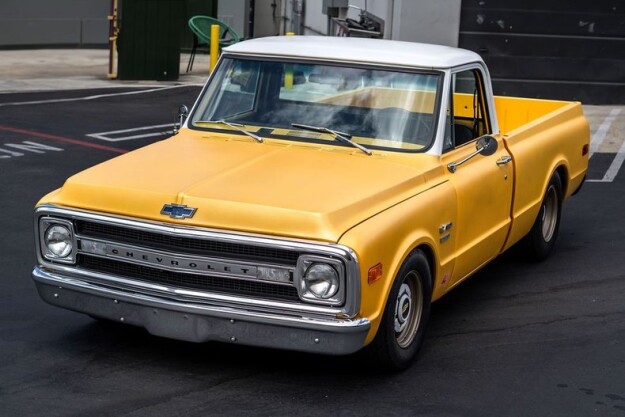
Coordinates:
<point>504,160</point>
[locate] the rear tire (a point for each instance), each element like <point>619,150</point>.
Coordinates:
<point>407,312</point>
<point>539,242</point>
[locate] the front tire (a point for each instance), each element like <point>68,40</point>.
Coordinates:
<point>407,312</point>
<point>540,241</point>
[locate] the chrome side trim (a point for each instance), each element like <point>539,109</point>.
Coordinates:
<point>346,254</point>
<point>445,228</point>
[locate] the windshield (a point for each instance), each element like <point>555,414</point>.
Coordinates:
<point>380,109</point>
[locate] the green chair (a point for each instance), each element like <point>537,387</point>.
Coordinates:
<point>201,28</point>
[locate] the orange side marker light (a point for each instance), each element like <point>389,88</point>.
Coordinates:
<point>375,273</point>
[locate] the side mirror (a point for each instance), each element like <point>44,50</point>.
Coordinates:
<point>486,145</point>
<point>183,113</point>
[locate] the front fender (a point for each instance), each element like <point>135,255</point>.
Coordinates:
<point>390,236</point>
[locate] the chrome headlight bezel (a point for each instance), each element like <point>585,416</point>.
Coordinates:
<point>304,263</point>
<point>45,223</point>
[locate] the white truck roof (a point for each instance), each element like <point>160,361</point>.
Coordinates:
<point>377,51</point>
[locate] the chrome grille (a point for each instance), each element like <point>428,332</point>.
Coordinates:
<point>190,281</point>
<point>187,244</point>
<point>227,268</point>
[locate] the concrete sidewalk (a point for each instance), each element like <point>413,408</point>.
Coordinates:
<point>70,69</point>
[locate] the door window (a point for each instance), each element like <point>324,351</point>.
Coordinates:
<point>467,115</point>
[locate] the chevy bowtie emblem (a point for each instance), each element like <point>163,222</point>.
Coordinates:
<point>177,211</point>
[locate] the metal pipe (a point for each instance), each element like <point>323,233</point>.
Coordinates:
<point>297,24</point>
<point>391,19</point>
<point>284,17</point>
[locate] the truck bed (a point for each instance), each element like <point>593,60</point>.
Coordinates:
<point>557,125</point>
<point>516,112</point>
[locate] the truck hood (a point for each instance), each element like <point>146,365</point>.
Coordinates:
<point>278,188</point>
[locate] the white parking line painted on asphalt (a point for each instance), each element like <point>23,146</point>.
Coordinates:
<point>26,146</point>
<point>119,135</point>
<point>600,134</point>
<point>615,166</point>
<point>95,97</point>
<point>604,141</point>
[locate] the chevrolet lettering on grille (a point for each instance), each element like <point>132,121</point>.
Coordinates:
<point>189,264</point>
<point>177,211</point>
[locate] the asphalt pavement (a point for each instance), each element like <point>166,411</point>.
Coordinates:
<point>518,339</point>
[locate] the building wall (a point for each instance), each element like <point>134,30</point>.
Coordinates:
<point>58,22</point>
<point>407,20</point>
<point>267,18</point>
<point>84,22</point>
<point>72,23</point>
<point>234,14</point>
<point>550,48</point>
<point>426,21</point>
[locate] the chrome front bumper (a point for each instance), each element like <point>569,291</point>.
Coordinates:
<point>201,322</point>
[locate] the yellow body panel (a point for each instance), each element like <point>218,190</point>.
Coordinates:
<point>239,184</point>
<point>484,197</point>
<point>492,207</point>
<point>542,136</point>
<point>390,237</point>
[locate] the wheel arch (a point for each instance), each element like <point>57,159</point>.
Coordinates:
<point>404,250</point>
<point>391,236</point>
<point>430,256</point>
<point>563,171</point>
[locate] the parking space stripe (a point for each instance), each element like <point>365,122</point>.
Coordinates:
<point>114,135</point>
<point>62,139</point>
<point>126,93</point>
<point>601,133</point>
<point>614,168</point>
<point>616,164</point>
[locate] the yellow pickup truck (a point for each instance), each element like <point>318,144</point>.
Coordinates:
<point>319,195</point>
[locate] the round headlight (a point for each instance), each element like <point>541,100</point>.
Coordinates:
<point>58,240</point>
<point>322,280</point>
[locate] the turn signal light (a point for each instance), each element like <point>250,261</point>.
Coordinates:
<point>585,150</point>
<point>375,273</point>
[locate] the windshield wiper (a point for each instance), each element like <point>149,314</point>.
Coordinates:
<point>339,136</point>
<point>236,126</point>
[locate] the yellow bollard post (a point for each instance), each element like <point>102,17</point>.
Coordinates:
<point>113,32</point>
<point>214,47</point>
<point>288,71</point>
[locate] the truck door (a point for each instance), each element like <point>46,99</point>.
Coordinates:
<point>483,184</point>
